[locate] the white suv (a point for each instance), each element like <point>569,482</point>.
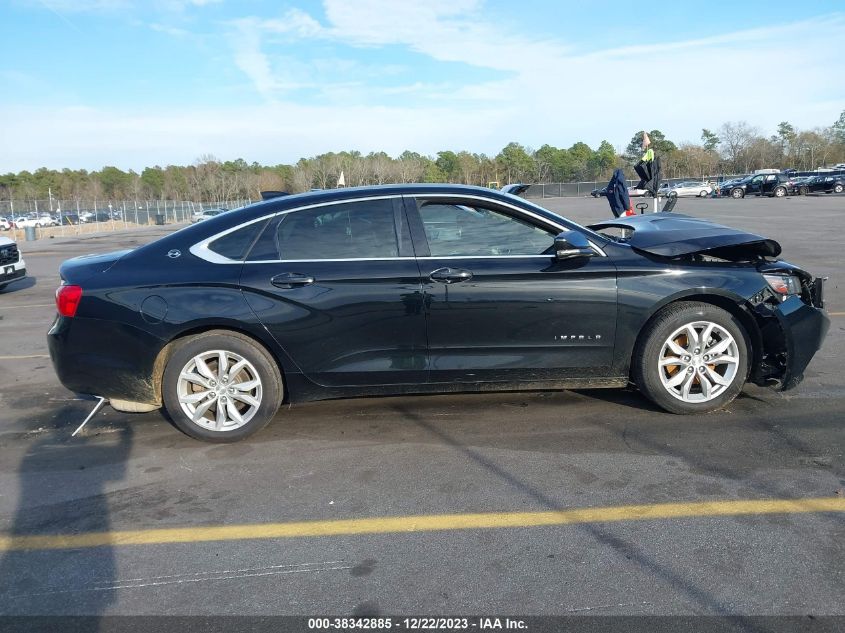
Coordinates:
<point>12,266</point>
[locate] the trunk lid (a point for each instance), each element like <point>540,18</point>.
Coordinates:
<point>78,269</point>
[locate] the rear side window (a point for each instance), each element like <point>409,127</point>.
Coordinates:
<point>235,245</point>
<point>363,229</point>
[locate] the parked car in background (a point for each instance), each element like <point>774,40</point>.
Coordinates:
<point>39,221</point>
<point>204,215</point>
<point>5,224</point>
<point>428,288</point>
<point>23,222</point>
<point>12,265</point>
<point>723,188</point>
<point>774,185</point>
<point>69,219</point>
<point>690,189</point>
<point>818,184</point>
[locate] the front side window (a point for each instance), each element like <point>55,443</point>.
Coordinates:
<point>349,230</point>
<point>462,230</point>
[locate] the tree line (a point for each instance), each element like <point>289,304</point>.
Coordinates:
<point>735,147</point>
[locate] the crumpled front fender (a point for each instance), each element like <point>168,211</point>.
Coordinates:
<point>792,332</point>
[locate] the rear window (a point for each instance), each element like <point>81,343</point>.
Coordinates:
<point>235,245</point>
<point>348,230</point>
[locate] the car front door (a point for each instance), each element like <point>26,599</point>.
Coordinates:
<point>769,183</point>
<point>338,288</point>
<point>499,306</point>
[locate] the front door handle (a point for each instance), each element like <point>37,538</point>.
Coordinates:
<point>450,275</point>
<point>291,280</point>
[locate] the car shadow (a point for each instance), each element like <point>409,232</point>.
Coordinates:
<point>23,284</point>
<point>63,488</point>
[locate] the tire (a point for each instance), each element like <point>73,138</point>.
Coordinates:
<point>779,192</point>
<point>838,188</point>
<point>803,191</point>
<point>736,194</point>
<point>703,194</point>
<point>253,407</point>
<point>655,381</point>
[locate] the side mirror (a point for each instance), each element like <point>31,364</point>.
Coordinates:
<point>572,244</point>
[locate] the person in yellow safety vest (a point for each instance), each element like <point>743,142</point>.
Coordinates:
<point>648,156</point>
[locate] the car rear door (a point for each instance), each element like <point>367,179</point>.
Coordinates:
<point>337,286</point>
<point>499,306</point>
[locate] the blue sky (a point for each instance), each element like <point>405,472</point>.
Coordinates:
<point>88,83</point>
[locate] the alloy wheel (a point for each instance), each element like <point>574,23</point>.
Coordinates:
<point>219,390</point>
<point>698,362</point>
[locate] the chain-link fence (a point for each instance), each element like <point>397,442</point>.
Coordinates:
<point>59,218</point>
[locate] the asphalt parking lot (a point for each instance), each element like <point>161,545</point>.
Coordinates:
<point>492,476</point>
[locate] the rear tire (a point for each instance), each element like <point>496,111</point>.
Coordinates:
<point>221,386</point>
<point>779,192</point>
<point>708,374</point>
<point>703,194</point>
<point>838,188</point>
<point>803,191</point>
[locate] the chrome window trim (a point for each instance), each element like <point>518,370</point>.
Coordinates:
<point>201,249</point>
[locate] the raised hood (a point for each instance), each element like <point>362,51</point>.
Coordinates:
<point>675,235</point>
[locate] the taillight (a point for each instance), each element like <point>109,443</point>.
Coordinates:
<point>67,300</point>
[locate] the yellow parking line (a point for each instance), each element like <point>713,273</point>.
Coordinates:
<point>24,357</point>
<point>429,523</point>
<point>836,314</point>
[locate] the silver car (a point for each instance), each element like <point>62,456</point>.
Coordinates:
<point>691,189</point>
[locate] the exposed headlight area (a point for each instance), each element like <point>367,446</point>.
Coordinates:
<point>784,285</point>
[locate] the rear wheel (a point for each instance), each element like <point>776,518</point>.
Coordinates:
<point>692,358</point>
<point>779,192</point>
<point>803,191</point>
<point>703,194</point>
<point>838,188</point>
<point>737,193</point>
<point>221,386</point>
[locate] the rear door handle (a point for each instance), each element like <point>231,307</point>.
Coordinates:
<point>450,275</point>
<point>291,280</point>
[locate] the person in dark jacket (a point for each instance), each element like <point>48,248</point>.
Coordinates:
<point>617,194</point>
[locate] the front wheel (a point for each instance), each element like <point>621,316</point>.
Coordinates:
<point>737,194</point>
<point>692,358</point>
<point>838,188</point>
<point>221,386</point>
<point>703,194</point>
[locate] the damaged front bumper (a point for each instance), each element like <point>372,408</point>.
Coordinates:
<point>792,332</point>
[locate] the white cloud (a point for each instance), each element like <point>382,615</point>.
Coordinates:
<point>546,91</point>
<point>272,133</point>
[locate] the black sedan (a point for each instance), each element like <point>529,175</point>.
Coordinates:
<point>427,289</point>
<point>826,184</point>
<point>773,185</point>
